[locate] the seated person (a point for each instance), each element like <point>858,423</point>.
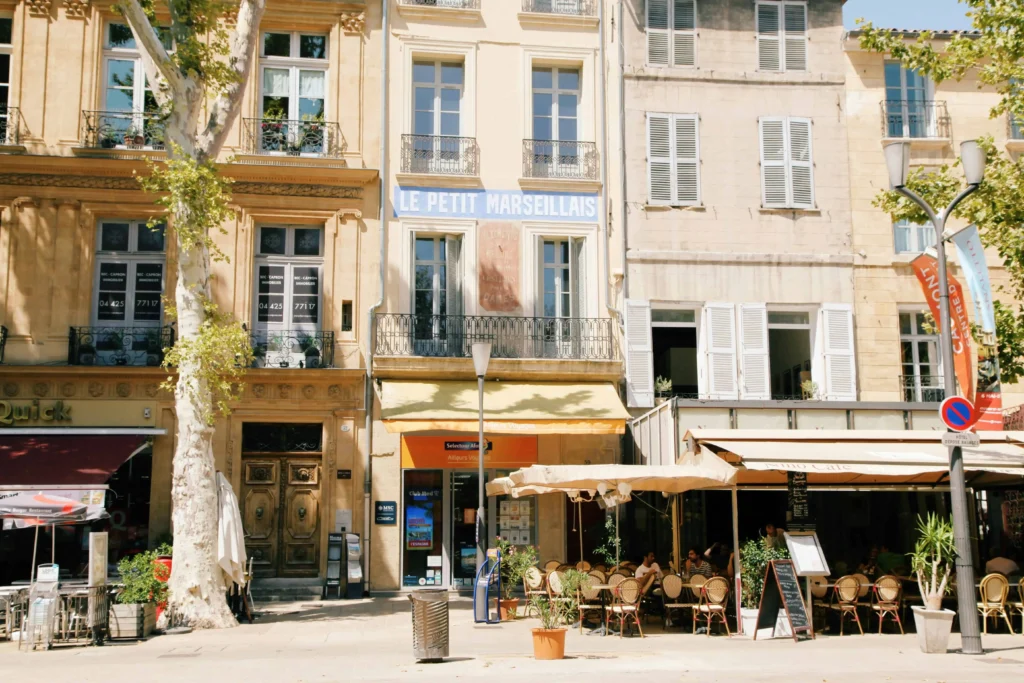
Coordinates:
<point>648,571</point>
<point>695,564</point>
<point>999,564</point>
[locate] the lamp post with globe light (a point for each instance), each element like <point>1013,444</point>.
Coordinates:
<point>481,357</point>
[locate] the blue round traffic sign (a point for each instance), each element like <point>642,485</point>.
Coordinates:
<point>957,413</point>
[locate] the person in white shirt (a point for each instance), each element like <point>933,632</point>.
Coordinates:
<point>999,564</point>
<point>648,571</point>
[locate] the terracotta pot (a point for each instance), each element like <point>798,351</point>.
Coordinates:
<point>162,572</point>
<point>508,609</point>
<point>549,643</point>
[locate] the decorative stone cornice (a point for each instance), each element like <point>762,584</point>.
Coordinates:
<point>76,9</point>
<point>39,8</point>
<point>352,22</point>
<point>116,183</point>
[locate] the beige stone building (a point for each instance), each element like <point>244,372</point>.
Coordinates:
<point>82,275</point>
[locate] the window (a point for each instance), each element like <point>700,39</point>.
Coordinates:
<point>674,336</point>
<point>289,265</point>
<point>6,29</point>
<point>672,32</point>
<point>909,111</point>
<point>129,274</point>
<point>437,295</point>
<point>782,36</point>
<point>919,353</point>
<point>673,159</point>
<point>912,238</point>
<point>556,97</point>
<point>126,87</point>
<point>789,354</point>
<point>787,166</point>
<point>562,288</point>
<point>437,98</point>
<point>293,88</point>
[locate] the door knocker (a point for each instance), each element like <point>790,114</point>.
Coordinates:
<point>302,513</point>
<point>259,513</point>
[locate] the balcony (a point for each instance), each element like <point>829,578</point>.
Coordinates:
<point>119,130</point>
<point>440,155</point>
<point>10,127</point>
<point>572,12</point>
<point>922,388</point>
<point>133,346</point>
<point>3,342</point>
<point>292,349</point>
<point>459,10</point>
<point>441,336</point>
<point>560,160</point>
<point>293,138</point>
<point>916,120</point>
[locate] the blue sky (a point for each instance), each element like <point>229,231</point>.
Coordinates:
<point>930,14</point>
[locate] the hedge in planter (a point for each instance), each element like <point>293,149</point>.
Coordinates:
<point>134,613</point>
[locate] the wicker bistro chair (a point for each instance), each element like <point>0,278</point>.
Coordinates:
<point>714,598</point>
<point>588,598</point>
<point>1018,606</point>
<point>615,579</point>
<point>673,597</point>
<point>551,565</point>
<point>533,587</point>
<point>598,575</point>
<point>556,590</point>
<point>864,595</point>
<point>888,599</point>
<point>844,600</point>
<point>995,588</point>
<point>626,605</point>
<point>600,567</point>
<point>583,566</point>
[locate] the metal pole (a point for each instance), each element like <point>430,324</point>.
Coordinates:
<point>618,542</point>
<point>481,530</point>
<point>35,545</point>
<point>736,558</point>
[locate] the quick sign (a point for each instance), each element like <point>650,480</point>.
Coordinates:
<point>57,411</point>
<point>512,205</point>
<point>385,512</point>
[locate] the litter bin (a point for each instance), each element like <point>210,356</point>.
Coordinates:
<point>429,624</point>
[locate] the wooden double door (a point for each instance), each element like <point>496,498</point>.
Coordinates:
<point>281,507</point>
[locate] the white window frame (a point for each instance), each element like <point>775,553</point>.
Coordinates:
<point>915,338</point>
<point>696,309</point>
<point>928,104</point>
<point>445,51</point>
<point>568,58</point>
<point>438,85</point>
<point>465,229</point>
<point>788,163</point>
<point>123,54</point>
<point>782,37</point>
<point>555,91</point>
<point>671,34</point>
<point>916,231</point>
<point>295,64</point>
<point>810,326</point>
<point>132,258</point>
<point>533,235</point>
<point>673,160</point>
<point>439,288</point>
<point>558,266</point>
<point>290,261</point>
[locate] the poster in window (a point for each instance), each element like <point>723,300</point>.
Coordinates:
<point>305,280</point>
<point>110,306</point>
<point>271,280</point>
<point>270,302</point>
<point>113,277</point>
<point>149,277</point>
<point>419,525</point>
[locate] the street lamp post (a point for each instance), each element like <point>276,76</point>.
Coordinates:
<point>481,357</point>
<point>897,158</point>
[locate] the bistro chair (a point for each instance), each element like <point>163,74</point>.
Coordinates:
<point>714,598</point>
<point>583,566</point>
<point>625,573</point>
<point>533,587</point>
<point>863,592</point>
<point>995,588</point>
<point>587,597</point>
<point>601,568</point>
<point>563,568</point>
<point>551,565</point>
<point>673,598</point>
<point>844,600</point>
<point>556,589</point>
<point>1018,606</point>
<point>888,594</point>
<point>597,576</point>
<point>626,605</point>
<point>819,591</point>
<point>615,579</point>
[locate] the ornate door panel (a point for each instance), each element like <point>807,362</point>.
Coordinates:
<point>261,486</point>
<point>300,518</point>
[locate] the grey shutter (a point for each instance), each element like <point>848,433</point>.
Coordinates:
<point>795,37</point>
<point>657,32</point>
<point>684,33</point>
<point>768,43</point>
<point>659,159</point>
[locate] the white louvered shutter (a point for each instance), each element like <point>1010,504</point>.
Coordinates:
<point>795,36</point>
<point>639,355</point>
<point>840,368</point>
<point>684,33</point>
<point>768,42</point>
<point>801,162</point>
<point>687,160</point>
<point>755,374</point>
<point>719,331</point>
<point>774,180</point>
<point>659,159</point>
<point>657,32</point>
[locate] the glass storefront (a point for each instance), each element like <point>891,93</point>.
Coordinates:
<point>422,539</point>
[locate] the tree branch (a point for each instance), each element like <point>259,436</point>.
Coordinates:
<point>155,59</point>
<point>224,109</point>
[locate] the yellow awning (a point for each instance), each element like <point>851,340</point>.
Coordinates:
<point>509,407</point>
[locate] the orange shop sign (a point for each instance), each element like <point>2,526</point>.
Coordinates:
<point>461,452</point>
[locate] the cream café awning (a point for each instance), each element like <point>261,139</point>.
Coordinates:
<point>509,407</point>
<point>856,457</point>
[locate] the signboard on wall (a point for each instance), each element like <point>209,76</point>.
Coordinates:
<point>461,452</point>
<point>508,205</point>
<point>385,512</point>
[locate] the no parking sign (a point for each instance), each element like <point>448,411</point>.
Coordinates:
<point>957,413</point>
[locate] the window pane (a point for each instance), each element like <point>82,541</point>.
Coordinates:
<point>277,45</point>
<point>451,74</point>
<point>569,80</point>
<point>450,125</point>
<point>276,82</point>
<point>901,237</point>
<point>450,99</point>
<point>119,35</point>
<point>672,316</point>
<point>148,287</point>
<point>424,302</point>
<point>923,324</point>
<point>907,352</point>
<point>112,298</point>
<point>151,239</point>
<point>164,33</point>
<point>307,242</point>
<point>275,108</point>
<point>313,47</point>
<point>565,258</point>
<point>567,130</point>
<point>312,84</point>
<point>924,352</point>
<point>272,240</point>
<point>904,323</point>
<point>542,131</point>
<point>423,72</point>
<point>5,69</point>
<point>424,278</point>
<point>549,304</point>
<point>114,237</point>
<point>892,75</point>
<point>119,100</point>
<point>425,249</point>
<point>441,244</point>
<point>120,73</point>
<point>542,78</point>
<point>424,99</point>
<point>788,318</point>
<point>5,30</point>
<point>542,104</point>
<point>567,106</point>
<point>311,110</point>
<point>423,123</point>
<point>549,252</point>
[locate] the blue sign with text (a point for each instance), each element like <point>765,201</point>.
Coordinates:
<point>385,512</point>
<point>506,205</point>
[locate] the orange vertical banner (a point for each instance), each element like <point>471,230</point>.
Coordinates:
<point>926,268</point>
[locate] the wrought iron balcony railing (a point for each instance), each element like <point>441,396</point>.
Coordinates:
<point>915,119</point>
<point>293,138</point>
<point>440,155</point>
<point>136,346</point>
<point>559,159</point>
<point>452,336</point>
<point>573,8</point>
<point>1014,127</point>
<point>444,4</point>
<point>3,342</point>
<point>292,349</point>
<point>10,126</point>
<point>922,388</point>
<point>122,130</point>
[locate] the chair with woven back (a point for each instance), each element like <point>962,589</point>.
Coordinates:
<point>615,579</point>
<point>888,599</point>
<point>1018,605</point>
<point>863,592</point>
<point>588,597</point>
<point>626,605</point>
<point>556,589</point>
<point>551,565</point>
<point>673,598</point>
<point>533,586</point>
<point>714,599</point>
<point>844,600</point>
<point>995,588</point>
<point>600,567</point>
<point>598,575</point>
<point>583,566</point>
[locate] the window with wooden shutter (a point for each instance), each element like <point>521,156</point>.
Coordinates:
<point>672,32</point>
<point>781,36</point>
<point>719,341</point>
<point>639,355</point>
<point>787,163</point>
<point>755,377</point>
<point>839,363</point>
<point>673,159</point>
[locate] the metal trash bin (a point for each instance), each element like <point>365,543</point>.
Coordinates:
<point>429,623</point>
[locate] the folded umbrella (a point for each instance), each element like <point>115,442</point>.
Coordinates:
<point>230,534</point>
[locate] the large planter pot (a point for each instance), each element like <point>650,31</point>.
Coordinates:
<point>131,621</point>
<point>749,618</point>
<point>549,643</point>
<point>508,609</point>
<point>933,628</point>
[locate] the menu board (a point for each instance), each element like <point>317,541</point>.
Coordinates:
<point>805,550</point>
<point>798,514</point>
<point>270,294</point>
<point>112,299</point>
<point>782,590</point>
<point>305,294</point>
<point>149,285</point>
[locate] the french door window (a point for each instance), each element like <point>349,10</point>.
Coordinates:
<point>919,350</point>
<point>437,295</point>
<point>909,113</point>
<point>129,117</point>
<point>293,93</point>
<point>556,97</point>
<point>562,294</point>
<point>8,134</point>
<point>437,114</point>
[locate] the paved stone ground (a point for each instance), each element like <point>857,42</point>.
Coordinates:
<point>371,641</point>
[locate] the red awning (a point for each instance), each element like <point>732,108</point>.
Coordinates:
<point>64,460</point>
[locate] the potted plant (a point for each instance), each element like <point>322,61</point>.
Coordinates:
<point>549,639</point>
<point>133,614</point>
<point>162,571</point>
<point>663,388</point>
<point>754,558</point>
<point>308,345</point>
<point>108,139</point>
<point>932,563</point>
<point>515,562</point>
<point>809,390</point>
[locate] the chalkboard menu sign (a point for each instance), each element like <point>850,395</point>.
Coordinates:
<point>782,590</point>
<point>798,510</point>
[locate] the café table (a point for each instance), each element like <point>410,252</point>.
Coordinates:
<point>602,589</point>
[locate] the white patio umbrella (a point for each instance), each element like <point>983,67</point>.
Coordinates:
<point>230,535</point>
<point>23,509</point>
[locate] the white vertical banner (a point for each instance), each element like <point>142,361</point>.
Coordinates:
<point>971,254</point>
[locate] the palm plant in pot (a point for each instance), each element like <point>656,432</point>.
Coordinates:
<point>549,639</point>
<point>932,563</point>
<point>515,562</point>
